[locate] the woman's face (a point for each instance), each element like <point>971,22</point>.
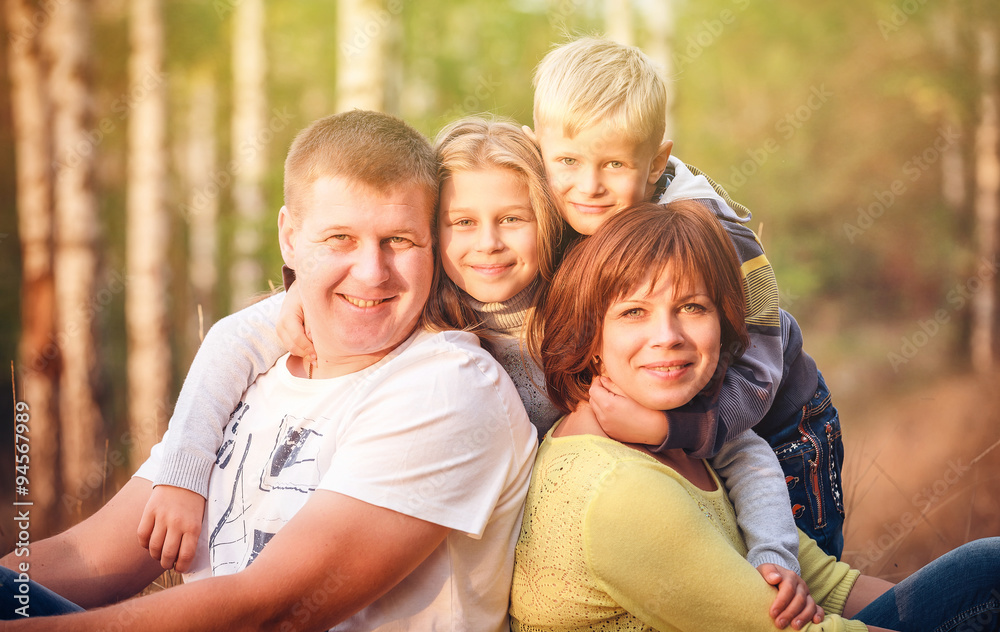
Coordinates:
<point>488,233</point>
<point>660,347</point>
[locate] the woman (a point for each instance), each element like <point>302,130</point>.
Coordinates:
<point>615,537</point>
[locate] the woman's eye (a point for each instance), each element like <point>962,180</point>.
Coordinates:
<point>693,308</point>
<point>635,312</point>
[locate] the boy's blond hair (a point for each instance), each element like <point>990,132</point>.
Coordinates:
<point>371,148</point>
<point>593,80</point>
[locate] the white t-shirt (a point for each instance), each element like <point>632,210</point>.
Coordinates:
<point>434,430</point>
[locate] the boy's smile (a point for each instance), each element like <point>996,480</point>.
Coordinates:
<point>598,172</point>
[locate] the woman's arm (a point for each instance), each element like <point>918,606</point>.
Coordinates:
<point>661,558</point>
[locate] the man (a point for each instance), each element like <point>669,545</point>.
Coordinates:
<point>381,486</point>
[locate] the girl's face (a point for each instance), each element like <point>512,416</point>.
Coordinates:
<point>659,346</point>
<point>488,233</point>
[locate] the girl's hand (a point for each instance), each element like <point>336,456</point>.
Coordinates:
<point>794,603</point>
<point>291,327</point>
<point>622,418</point>
<point>170,526</point>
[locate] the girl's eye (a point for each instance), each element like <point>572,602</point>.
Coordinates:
<point>511,219</point>
<point>569,162</point>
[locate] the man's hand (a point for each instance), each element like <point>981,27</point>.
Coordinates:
<point>170,526</point>
<point>794,603</point>
<point>622,418</point>
<point>291,327</point>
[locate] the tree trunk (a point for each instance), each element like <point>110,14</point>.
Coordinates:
<point>364,29</point>
<point>38,356</point>
<point>987,202</point>
<point>659,19</point>
<point>199,164</point>
<point>76,232</point>
<point>249,143</point>
<point>147,237</point>
<point>618,21</point>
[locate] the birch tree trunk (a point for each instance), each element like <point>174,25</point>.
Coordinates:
<point>618,21</point>
<point>203,200</point>
<point>987,200</point>
<point>249,136</point>
<point>364,30</point>
<point>147,235</point>
<point>76,231</point>
<point>38,356</point>
<point>659,20</point>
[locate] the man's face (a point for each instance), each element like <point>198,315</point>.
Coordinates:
<point>363,261</point>
<point>597,173</point>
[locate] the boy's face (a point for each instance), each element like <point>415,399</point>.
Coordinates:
<point>596,174</point>
<point>363,262</point>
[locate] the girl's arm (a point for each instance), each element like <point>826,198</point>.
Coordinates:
<point>235,351</point>
<point>757,489</point>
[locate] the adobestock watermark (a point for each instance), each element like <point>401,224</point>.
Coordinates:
<point>363,34</point>
<point>475,101</point>
<point>561,11</point>
<point>247,150</point>
<point>913,169</point>
<point>786,127</point>
<point>20,36</point>
<point>120,108</point>
<point>83,316</point>
<point>956,297</point>
<point>899,15</point>
<point>705,36</point>
<point>923,502</point>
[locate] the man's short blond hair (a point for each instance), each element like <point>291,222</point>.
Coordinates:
<point>377,150</point>
<point>593,80</point>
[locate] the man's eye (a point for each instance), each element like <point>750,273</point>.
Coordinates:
<point>398,241</point>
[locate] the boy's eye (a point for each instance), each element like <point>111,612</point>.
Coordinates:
<point>462,222</point>
<point>569,162</point>
<point>616,164</point>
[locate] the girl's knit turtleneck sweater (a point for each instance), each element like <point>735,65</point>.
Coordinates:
<point>505,320</point>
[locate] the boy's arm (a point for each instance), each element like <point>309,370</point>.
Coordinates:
<point>703,425</point>
<point>235,351</point>
<point>758,492</point>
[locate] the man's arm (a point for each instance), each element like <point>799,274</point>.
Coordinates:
<point>98,561</point>
<point>336,556</point>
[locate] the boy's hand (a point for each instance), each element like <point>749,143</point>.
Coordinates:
<point>622,418</point>
<point>794,603</point>
<point>170,526</point>
<point>291,326</point>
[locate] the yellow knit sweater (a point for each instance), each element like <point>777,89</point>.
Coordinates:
<point>612,539</point>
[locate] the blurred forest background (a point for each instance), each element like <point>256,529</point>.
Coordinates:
<point>141,168</point>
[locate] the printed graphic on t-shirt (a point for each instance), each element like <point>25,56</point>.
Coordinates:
<point>286,458</point>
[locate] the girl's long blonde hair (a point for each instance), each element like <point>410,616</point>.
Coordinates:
<point>478,143</point>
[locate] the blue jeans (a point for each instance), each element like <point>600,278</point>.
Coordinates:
<point>958,592</point>
<point>21,597</point>
<point>810,450</point>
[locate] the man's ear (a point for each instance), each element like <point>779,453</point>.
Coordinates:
<point>660,161</point>
<point>286,236</point>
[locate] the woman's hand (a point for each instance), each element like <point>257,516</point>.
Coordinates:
<point>794,603</point>
<point>622,418</point>
<point>291,327</point>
